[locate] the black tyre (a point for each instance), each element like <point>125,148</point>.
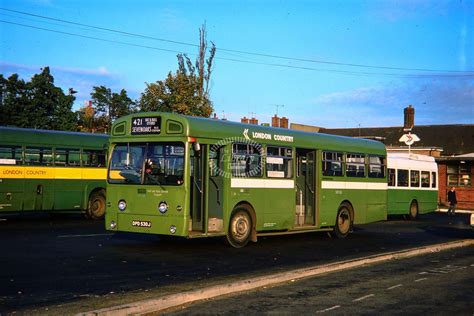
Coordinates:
<point>343,221</point>
<point>96,205</point>
<point>413,210</point>
<point>240,228</point>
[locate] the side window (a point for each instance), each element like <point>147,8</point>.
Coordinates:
<point>391,177</point>
<point>67,157</point>
<point>214,159</point>
<point>355,165</point>
<point>376,167</point>
<point>425,179</point>
<point>10,155</point>
<point>414,178</point>
<point>433,179</point>
<point>332,164</point>
<point>246,160</point>
<point>279,162</point>
<point>38,156</point>
<point>93,158</point>
<point>402,178</point>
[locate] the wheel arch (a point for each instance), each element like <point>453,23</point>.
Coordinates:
<point>351,209</point>
<point>247,205</point>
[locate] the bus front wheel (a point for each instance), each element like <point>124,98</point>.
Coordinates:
<point>96,205</point>
<point>343,221</point>
<point>240,228</point>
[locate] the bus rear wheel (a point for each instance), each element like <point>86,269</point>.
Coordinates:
<point>413,210</point>
<point>96,205</point>
<point>343,221</point>
<point>240,228</point>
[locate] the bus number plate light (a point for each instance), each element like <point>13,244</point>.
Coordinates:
<point>172,229</point>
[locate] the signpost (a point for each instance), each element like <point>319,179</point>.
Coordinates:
<point>409,139</point>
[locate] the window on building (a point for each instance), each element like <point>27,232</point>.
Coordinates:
<point>355,165</point>
<point>402,178</point>
<point>460,175</point>
<point>414,179</point>
<point>279,162</point>
<point>391,177</point>
<point>376,167</point>
<point>246,160</point>
<point>332,164</point>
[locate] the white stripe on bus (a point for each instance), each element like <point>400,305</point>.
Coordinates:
<point>262,183</point>
<point>353,185</point>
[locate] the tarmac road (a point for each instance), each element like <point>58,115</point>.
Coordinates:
<point>433,284</point>
<point>66,261</point>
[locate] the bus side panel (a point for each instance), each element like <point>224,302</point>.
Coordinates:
<point>377,206</point>
<point>398,201</point>
<point>38,194</point>
<point>11,195</point>
<point>279,212</point>
<point>68,194</point>
<point>369,205</point>
<point>427,201</point>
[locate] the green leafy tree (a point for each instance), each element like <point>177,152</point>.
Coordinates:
<point>37,104</point>
<point>187,90</point>
<point>13,98</point>
<point>109,106</point>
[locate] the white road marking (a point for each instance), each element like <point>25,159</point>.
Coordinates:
<point>422,279</point>
<point>363,298</point>
<point>394,287</point>
<point>87,235</point>
<point>328,309</point>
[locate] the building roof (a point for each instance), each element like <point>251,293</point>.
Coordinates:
<point>454,139</point>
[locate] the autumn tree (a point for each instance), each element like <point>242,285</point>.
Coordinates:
<point>187,90</point>
<point>108,106</point>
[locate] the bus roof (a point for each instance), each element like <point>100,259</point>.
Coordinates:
<point>411,161</point>
<point>35,137</point>
<point>199,127</point>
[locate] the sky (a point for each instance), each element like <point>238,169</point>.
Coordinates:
<point>327,63</point>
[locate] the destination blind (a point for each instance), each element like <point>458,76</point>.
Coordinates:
<point>146,125</point>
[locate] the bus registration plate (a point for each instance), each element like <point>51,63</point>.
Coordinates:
<point>141,223</point>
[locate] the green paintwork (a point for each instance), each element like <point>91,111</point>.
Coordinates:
<point>57,194</point>
<point>399,201</point>
<point>274,208</point>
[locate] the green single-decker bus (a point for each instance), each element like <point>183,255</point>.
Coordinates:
<point>52,171</point>
<point>177,175</point>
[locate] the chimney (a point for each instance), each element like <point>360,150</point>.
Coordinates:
<point>254,121</point>
<point>409,118</point>
<point>284,122</point>
<point>244,120</point>
<point>275,121</point>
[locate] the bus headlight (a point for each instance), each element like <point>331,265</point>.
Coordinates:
<point>122,205</point>
<point>162,207</point>
<point>172,229</point>
<point>113,224</point>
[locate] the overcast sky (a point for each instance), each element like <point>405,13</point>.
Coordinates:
<point>330,63</point>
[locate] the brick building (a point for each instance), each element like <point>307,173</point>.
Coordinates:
<point>451,145</point>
